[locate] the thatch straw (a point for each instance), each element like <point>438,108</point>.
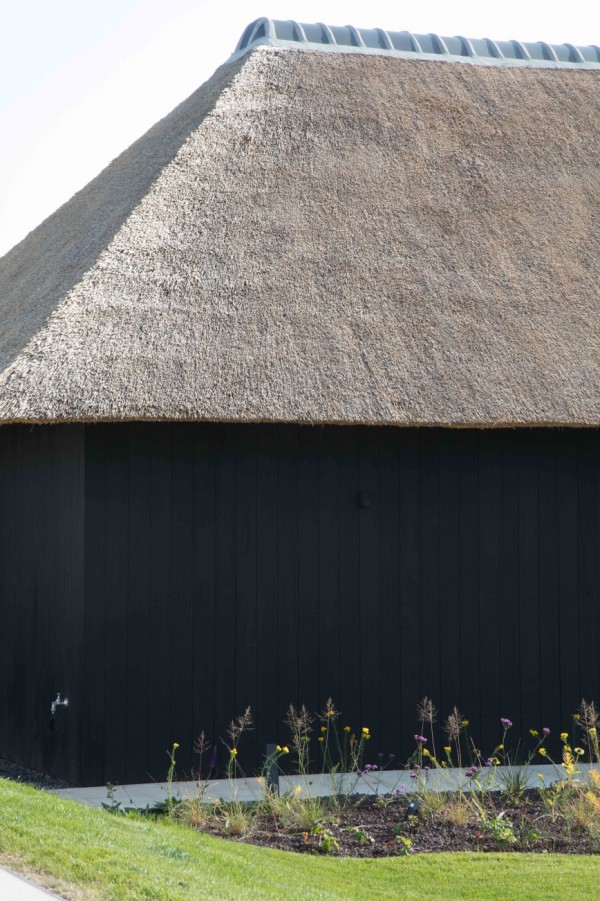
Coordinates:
<point>316,237</point>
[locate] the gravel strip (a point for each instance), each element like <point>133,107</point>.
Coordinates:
<point>18,773</point>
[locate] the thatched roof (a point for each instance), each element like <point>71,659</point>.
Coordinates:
<point>326,237</point>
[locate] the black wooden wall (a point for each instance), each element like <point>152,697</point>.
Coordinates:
<point>228,565</point>
<point>41,595</point>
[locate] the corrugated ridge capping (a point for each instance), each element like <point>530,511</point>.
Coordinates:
<point>480,51</point>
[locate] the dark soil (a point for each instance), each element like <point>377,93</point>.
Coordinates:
<point>371,827</point>
<point>31,777</point>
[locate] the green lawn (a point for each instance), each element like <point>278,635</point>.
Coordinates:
<point>93,854</point>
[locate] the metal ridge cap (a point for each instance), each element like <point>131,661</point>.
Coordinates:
<point>416,57</point>
<point>292,35</point>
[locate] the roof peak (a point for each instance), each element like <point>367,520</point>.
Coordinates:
<point>348,39</point>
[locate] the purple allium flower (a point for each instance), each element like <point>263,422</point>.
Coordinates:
<point>213,758</point>
<point>360,772</point>
<point>506,722</point>
<point>489,762</point>
<point>546,730</point>
<point>426,768</point>
<point>399,791</point>
<point>414,776</point>
<point>420,739</point>
<point>472,771</point>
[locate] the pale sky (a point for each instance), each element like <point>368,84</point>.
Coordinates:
<point>80,80</point>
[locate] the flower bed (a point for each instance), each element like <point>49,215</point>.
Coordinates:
<point>455,799</point>
<point>387,827</point>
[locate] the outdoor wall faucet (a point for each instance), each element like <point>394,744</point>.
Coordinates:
<point>58,702</point>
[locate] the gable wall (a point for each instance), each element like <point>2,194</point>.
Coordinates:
<point>231,565</point>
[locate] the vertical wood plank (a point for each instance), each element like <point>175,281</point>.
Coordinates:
<point>116,598</point>
<point>182,597</point>
<point>159,693</point>
<point>510,694</point>
<point>287,571</point>
<point>308,567</point>
<point>267,714</point>
<point>247,655</point>
<point>568,575</point>
<point>491,670</point>
<point>529,612</point>
<point>389,586</point>
<point>550,713</point>
<point>429,565</point>
<point>470,652</point>
<point>370,586</point>
<point>329,567</point>
<point>205,449</point>
<point>587,565</point>
<point>410,659</point>
<point>138,599</point>
<point>450,627</point>
<point>350,516</point>
<point>94,618</point>
<point>225,580</point>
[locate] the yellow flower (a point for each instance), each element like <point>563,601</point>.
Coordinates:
<point>465,722</point>
<point>567,747</point>
<point>346,728</point>
<point>278,748</point>
<point>285,749</point>
<point>233,752</point>
<point>321,738</point>
<point>543,752</point>
<point>365,730</point>
<point>534,732</point>
<point>331,713</point>
<point>443,763</point>
<point>175,745</point>
<point>323,728</point>
<point>564,736</point>
<point>576,716</point>
<point>579,751</point>
<point>495,761</point>
<point>592,730</point>
<point>426,753</point>
<point>448,749</point>
<point>500,747</point>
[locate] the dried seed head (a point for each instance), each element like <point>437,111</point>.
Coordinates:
<point>299,722</point>
<point>588,722</point>
<point>240,725</point>
<point>201,744</point>
<point>426,711</point>
<point>454,724</point>
<point>330,713</point>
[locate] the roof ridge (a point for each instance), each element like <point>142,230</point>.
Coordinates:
<point>479,51</point>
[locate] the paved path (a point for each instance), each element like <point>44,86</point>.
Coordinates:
<point>14,888</point>
<point>149,794</point>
